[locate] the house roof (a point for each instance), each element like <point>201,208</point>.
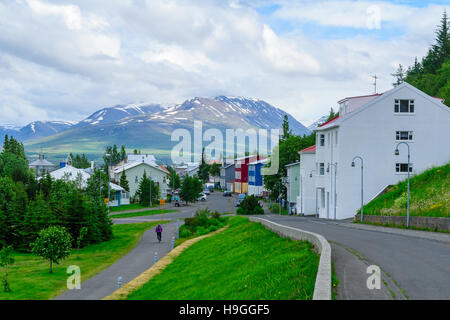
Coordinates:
<point>71,173</point>
<point>293,164</point>
<point>311,149</point>
<point>259,161</point>
<point>338,120</point>
<point>41,163</point>
<point>135,164</point>
<point>364,96</point>
<point>116,187</point>
<point>329,121</point>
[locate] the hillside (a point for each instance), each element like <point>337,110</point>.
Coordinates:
<point>429,196</point>
<point>149,127</point>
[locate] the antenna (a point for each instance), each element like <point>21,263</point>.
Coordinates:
<point>375,83</point>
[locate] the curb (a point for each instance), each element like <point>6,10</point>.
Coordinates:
<point>322,288</point>
<point>156,269</point>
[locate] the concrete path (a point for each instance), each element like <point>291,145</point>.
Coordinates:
<point>129,267</point>
<point>413,267</point>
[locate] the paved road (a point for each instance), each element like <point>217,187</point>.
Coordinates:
<point>420,267</point>
<point>215,201</point>
<point>129,267</point>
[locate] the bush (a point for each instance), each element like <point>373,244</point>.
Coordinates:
<point>203,222</point>
<point>250,205</point>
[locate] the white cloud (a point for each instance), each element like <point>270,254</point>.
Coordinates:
<point>65,59</point>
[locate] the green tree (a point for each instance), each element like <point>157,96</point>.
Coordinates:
<point>286,130</point>
<point>191,187</point>
<point>124,182</point>
<point>399,75</point>
<point>174,178</point>
<point>214,169</point>
<point>53,244</point>
<point>144,189</point>
<point>80,239</point>
<point>6,259</point>
<point>203,169</point>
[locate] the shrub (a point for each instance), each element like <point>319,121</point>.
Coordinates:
<point>250,205</point>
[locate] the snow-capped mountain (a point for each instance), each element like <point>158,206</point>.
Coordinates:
<point>317,123</point>
<point>110,115</point>
<point>36,129</point>
<point>149,126</point>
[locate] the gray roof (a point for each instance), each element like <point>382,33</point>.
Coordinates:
<point>42,163</point>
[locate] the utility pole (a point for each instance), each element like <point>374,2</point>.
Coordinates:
<point>150,183</point>
<point>375,83</point>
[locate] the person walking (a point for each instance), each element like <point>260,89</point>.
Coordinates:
<point>158,231</point>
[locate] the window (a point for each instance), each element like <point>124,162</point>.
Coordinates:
<point>404,106</point>
<point>321,168</point>
<point>403,167</point>
<point>136,180</point>
<point>322,140</point>
<point>404,135</point>
<point>238,164</point>
<point>238,175</point>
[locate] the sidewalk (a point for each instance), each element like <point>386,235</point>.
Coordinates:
<point>429,235</point>
<point>129,267</point>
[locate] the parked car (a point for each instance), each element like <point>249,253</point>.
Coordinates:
<point>206,191</point>
<point>210,188</point>
<point>227,193</point>
<point>241,197</point>
<point>202,197</point>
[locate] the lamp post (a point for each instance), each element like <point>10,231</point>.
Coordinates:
<point>397,152</point>
<point>362,183</point>
<point>108,163</point>
<point>335,171</point>
<point>317,207</point>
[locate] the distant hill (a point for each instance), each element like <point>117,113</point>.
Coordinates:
<point>35,130</point>
<point>148,127</point>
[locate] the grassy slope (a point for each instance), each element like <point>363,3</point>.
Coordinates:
<point>30,277</point>
<point>246,261</point>
<point>141,213</point>
<point>429,196</point>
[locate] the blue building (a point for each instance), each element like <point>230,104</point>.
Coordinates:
<point>255,178</point>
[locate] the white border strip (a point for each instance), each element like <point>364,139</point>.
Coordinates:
<point>322,288</point>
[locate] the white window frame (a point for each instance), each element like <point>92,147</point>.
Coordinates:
<point>237,175</point>
<point>321,168</point>
<point>398,134</point>
<point>397,106</point>
<point>321,140</point>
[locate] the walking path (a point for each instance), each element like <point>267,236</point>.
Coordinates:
<point>129,267</point>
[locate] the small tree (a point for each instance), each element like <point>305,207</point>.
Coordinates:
<point>124,182</point>
<point>190,189</point>
<point>250,205</point>
<point>53,244</point>
<point>6,260</point>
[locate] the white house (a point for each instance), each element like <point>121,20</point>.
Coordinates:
<point>134,172</point>
<point>69,173</point>
<point>371,127</point>
<point>307,196</point>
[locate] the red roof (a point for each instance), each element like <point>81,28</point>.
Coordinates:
<point>309,149</point>
<point>329,121</point>
<point>164,169</point>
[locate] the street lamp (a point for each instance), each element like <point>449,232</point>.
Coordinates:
<point>108,163</point>
<point>331,177</point>
<point>362,185</point>
<point>317,207</point>
<point>397,152</point>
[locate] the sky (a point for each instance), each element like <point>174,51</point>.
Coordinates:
<point>63,60</point>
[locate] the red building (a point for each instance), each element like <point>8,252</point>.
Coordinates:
<point>241,172</point>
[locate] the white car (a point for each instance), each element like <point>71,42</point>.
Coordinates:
<point>202,197</point>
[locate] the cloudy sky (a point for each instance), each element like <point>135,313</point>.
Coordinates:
<point>63,60</point>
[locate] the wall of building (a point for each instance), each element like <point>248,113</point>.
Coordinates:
<point>306,200</point>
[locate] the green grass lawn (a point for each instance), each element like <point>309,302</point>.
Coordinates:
<point>133,206</point>
<point>141,213</point>
<point>246,261</point>
<point>30,278</point>
<point>429,196</point>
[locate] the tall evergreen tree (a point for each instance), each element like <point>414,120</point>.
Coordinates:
<point>124,182</point>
